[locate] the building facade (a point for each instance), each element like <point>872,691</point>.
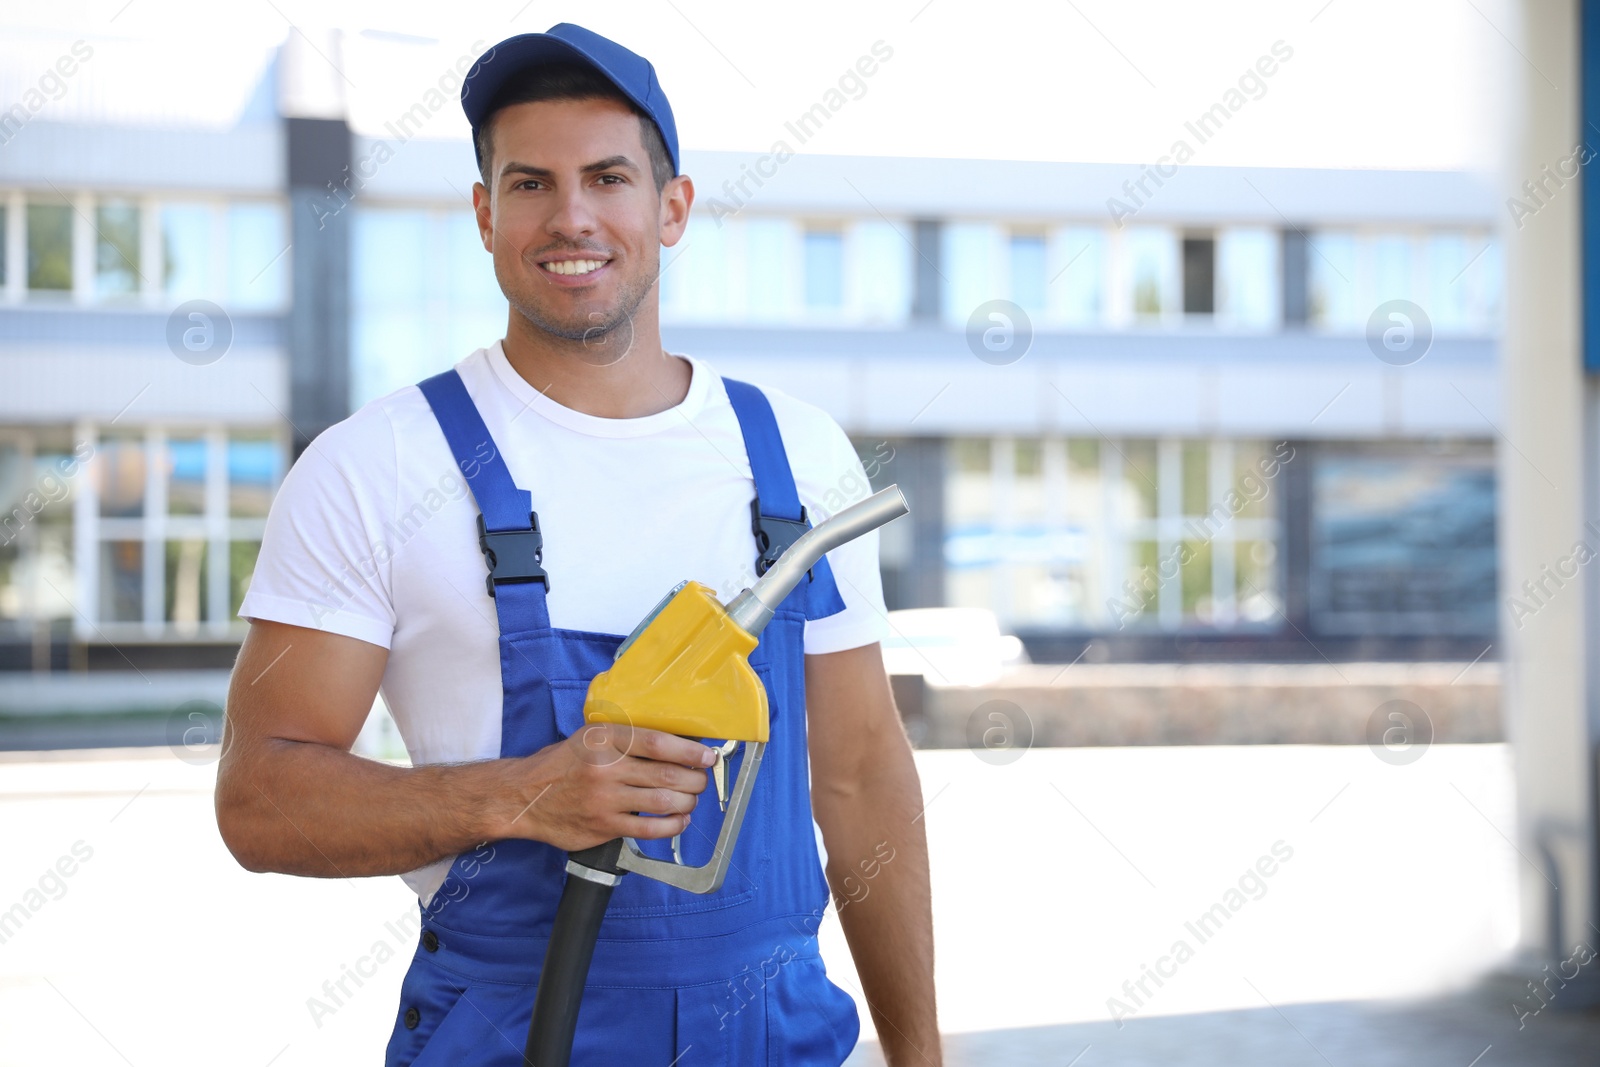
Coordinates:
<point>1211,413</point>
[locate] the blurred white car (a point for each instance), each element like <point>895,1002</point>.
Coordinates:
<point>950,646</point>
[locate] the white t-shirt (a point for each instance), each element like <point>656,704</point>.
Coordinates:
<point>374,536</point>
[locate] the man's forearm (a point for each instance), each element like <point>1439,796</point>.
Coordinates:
<point>299,808</point>
<point>878,869</point>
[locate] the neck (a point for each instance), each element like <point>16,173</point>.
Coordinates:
<point>623,375</point>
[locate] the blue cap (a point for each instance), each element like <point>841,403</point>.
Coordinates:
<point>564,43</point>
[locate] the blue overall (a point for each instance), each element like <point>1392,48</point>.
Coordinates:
<point>732,977</point>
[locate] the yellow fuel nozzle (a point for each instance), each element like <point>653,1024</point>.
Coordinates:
<point>686,670</point>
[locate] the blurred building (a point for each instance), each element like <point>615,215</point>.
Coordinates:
<point>1139,414</point>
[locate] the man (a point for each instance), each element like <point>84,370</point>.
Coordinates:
<point>637,468</point>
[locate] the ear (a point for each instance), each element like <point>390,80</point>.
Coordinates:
<point>676,199</point>
<point>482,210</point>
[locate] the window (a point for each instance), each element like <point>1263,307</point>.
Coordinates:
<point>177,529</point>
<point>1484,275</point>
<point>1080,532</point>
<point>423,295</point>
<point>1022,529</point>
<point>121,581</point>
<point>768,273</point>
<point>186,476</point>
<point>1138,499</point>
<point>697,274</point>
<point>1028,279</point>
<point>257,256</point>
<point>1150,267</point>
<point>1449,290</point>
<point>185,581</point>
<point>389,330</point>
<point>1453,275</point>
<point>49,247</point>
<point>1077,281</point>
<point>1199,275</point>
<point>824,270</point>
<point>475,311</point>
<point>186,251</point>
<point>1403,539</point>
<point>1248,290</point>
<point>242,557</point>
<point>1332,264</point>
<point>1201,501</point>
<point>1392,276</point>
<point>113,249</point>
<point>971,551</point>
<point>120,477</point>
<point>971,263</point>
<point>883,261</point>
<point>40,476</point>
<point>116,257</point>
<point>781,269</point>
<point>255,467</point>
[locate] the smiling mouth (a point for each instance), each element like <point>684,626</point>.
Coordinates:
<point>573,266</point>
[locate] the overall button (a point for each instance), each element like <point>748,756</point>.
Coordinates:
<point>413,1017</point>
<point>430,941</point>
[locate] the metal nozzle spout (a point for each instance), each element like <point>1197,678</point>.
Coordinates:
<point>752,609</point>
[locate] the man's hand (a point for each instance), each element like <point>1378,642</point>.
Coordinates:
<point>292,798</point>
<point>587,789</point>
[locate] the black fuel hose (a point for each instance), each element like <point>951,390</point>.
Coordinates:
<point>567,958</point>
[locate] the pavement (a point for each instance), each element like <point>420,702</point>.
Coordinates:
<point>1367,916</point>
<point>1474,1028</point>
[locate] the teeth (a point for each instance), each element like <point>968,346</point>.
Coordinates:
<point>574,266</point>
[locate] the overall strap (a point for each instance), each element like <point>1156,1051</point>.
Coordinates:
<point>508,528</point>
<point>776,516</point>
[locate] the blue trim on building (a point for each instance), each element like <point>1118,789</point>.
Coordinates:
<point>1112,348</point>
<point>1589,108</point>
<point>66,323</point>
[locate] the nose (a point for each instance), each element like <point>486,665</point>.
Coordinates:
<point>573,218</point>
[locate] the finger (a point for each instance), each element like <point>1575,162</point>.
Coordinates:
<point>640,828</point>
<point>653,774</point>
<point>668,748</point>
<point>653,801</point>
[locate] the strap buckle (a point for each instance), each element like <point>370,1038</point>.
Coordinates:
<point>773,535</point>
<point>513,555</point>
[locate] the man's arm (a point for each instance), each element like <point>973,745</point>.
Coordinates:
<point>868,800</point>
<point>292,798</point>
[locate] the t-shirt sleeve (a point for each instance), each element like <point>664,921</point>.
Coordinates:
<point>830,476</point>
<point>323,562</point>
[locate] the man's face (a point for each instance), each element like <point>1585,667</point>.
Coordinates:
<point>573,217</point>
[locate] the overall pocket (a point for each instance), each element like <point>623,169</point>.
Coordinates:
<point>721,1024</point>
<point>428,997</point>
<point>487,1027</point>
<point>810,1021</point>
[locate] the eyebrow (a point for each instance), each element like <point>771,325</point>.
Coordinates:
<point>609,163</point>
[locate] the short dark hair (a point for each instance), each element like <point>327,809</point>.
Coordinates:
<point>572,81</point>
